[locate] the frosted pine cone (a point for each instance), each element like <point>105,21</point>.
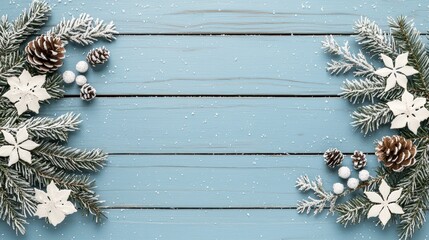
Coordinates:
<point>396,152</point>
<point>45,53</point>
<point>333,157</point>
<point>359,160</point>
<point>87,92</point>
<point>98,56</point>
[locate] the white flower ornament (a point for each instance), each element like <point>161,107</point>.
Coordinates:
<point>53,204</point>
<point>409,112</point>
<point>397,72</point>
<point>26,92</point>
<point>385,204</point>
<point>19,148</point>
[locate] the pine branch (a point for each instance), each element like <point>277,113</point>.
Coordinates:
<point>373,39</point>
<point>11,65</point>
<point>353,211</point>
<point>408,39</point>
<point>52,128</point>
<point>349,61</point>
<point>84,30</point>
<point>29,22</point>
<point>9,212</point>
<point>304,184</point>
<point>359,91</point>
<point>415,194</point>
<point>369,118</point>
<point>20,189</point>
<point>71,158</point>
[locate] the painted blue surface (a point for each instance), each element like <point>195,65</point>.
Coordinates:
<point>291,108</point>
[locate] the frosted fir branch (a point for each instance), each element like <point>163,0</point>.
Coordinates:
<point>304,184</point>
<point>353,211</point>
<point>29,22</point>
<point>368,89</point>
<point>409,40</point>
<point>10,214</point>
<point>11,65</point>
<point>84,30</point>
<point>369,118</point>
<point>71,158</point>
<point>349,61</point>
<point>52,128</point>
<point>373,39</point>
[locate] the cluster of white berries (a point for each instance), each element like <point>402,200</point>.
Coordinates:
<point>69,76</point>
<point>352,183</point>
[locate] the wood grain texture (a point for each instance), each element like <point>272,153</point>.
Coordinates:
<point>214,125</point>
<point>240,16</point>
<point>218,65</point>
<point>200,181</point>
<point>204,224</point>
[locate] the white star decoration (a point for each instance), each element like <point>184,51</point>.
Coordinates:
<point>409,112</point>
<point>53,204</point>
<point>19,148</point>
<point>397,72</point>
<point>386,203</point>
<point>26,92</point>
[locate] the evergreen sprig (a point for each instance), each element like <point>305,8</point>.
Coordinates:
<point>370,117</point>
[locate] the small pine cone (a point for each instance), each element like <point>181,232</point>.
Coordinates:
<point>98,56</point>
<point>396,152</point>
<point>359,160</point>
<point>87,92</point>
<point>333,157</point>
<point>45,53</point>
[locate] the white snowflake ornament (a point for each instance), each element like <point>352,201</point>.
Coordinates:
<point>26,92</point>
<point>397,72</point>
<point>19,148</point>
<point>385,204</point>
<point>409,112</point>
<point>53,204</point>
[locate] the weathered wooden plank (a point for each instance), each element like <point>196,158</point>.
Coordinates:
<point>201,224</point>
<point>211,181</point>
<point>181,65</point>
<point>214,125</point>
<point>242,16</point>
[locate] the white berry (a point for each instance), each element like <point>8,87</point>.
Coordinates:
<point>81,80</point>
<point>82,66</point>
<point>344,172</point>
<point>338,188</point>
<point>363,175</point>
<point>68,76</point>
<point>353,183</point>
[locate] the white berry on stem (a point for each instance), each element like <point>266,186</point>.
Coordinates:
<point>364,175</point>
<point>344,172</point>
<point>69,76</point>
<point>338,188</point>
<point>81,80</point>
<point>82,66</point>
<point>352,183</point>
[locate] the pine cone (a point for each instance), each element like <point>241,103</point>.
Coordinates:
<point>333,157</point>
<point>98,56</point>
<point>87,92</point>
<point>46,53</point>
<point>396,152</point>
<point>359,160</point>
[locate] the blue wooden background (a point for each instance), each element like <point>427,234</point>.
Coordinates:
<point>199,107</point>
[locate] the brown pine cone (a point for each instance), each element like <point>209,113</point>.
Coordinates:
<point>45,53</point>
<point>359,160</point>
<point>396,152</point>
<point>87,92</point>
<point>98,56</point>
<point>333,157</point>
